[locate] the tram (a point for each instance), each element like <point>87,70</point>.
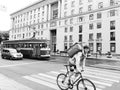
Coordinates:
<point>30,48</point>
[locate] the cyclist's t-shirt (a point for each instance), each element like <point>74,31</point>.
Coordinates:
<point>78,60</point>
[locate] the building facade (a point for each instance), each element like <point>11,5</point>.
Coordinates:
<point>65,22</point>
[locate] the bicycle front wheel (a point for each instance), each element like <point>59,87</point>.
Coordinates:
<point>85,84</point>
<point>62,81</point>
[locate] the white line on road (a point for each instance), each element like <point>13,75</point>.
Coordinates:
<point>19,64</point>
<point>41,82</point>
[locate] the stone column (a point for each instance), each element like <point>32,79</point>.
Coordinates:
<point>59,8</point>
<point>49,11</point>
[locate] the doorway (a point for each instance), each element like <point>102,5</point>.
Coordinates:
<point>53,40</point>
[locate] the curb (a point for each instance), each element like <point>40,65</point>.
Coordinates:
<point>104,59</point>
<point>117,69</point>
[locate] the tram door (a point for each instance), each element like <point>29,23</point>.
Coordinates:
<point>36,51</point>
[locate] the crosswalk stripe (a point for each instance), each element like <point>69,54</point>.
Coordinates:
<point>41,82</point>
<point>97,82</point>
<point>47,76</point>
<point>55,73</point>
<point>54,78</point>
<point>102,71</point>
<point>104,75</point>
<point>101,78</point>
<point>45,80</point>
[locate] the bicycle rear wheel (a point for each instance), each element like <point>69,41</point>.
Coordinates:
<point>62,81</point>
<point>85,84</point>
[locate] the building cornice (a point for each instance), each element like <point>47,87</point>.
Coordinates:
<point>38,2</point>
<point>27,7</point>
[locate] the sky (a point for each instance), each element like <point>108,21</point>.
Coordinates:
<point>9,6</point>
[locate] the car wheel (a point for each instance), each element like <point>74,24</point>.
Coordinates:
<point>3,57</point>
<point>10,58</point>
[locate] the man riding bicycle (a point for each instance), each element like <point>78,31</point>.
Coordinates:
<point>78,55</point>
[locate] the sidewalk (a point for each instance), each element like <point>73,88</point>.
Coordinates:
<point>101,61</point>
<point>9,84</point>
<point>98,57</point>
<point>103,57</point>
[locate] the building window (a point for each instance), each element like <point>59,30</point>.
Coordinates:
<point>66,22</point>
<point>112,47</point>
<point>80,38</point>
<point>99,46</point>
<point>91,37</point>
<point>55,14</point>
<point>80,19</point>
<point>91,26</point>
<point>41,32</point>
<point>70,38</point>
<point>80,29</point>
<point>80,10</point>
<point>72,12</point>
<point>72,3</point>
<point>89,0</point>
<point>99,15</point>
<point>65,0</point>
<point>89,7</point>
<point>99,36</point>
<point>65,38</point>
<point>99,25</point>
<point>65,46</point>
<point>91,47</point>
<point>66,29</point>
<point>80,2</point>
<point>65,6</point>
<point>112,36</point>
<point>112,13</point>
<point>65,14</point>
<point>100,5</point>
<point>112,25</point>
<point>91,17</point>
<point>70,45</point>
<point>71,29</point>
<point>38,26</point>
<point>112,2</point>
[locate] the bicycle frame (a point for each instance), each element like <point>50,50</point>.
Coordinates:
<point>70,84</point>
<point>78,78</point>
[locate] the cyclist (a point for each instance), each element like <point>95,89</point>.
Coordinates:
<point>77,62</point>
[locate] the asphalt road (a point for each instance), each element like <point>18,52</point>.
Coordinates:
<point>30,73</point>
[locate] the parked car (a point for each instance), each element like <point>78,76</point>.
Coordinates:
<point>11,53</point>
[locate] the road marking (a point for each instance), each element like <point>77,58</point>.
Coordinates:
<point>101,80</point>
<point>19,64</point>
<point>41,82</point>
<point>41,79</point>
<point>93,75</point>
<point>107,72</point>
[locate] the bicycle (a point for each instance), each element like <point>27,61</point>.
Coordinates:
<point>80,82</point>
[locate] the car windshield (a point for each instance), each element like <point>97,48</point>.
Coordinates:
<point>13,51</point>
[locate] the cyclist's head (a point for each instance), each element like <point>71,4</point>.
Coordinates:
<point>86,48</point>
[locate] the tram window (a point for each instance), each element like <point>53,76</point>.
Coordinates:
<point>40,45</point>
<point>25,45</point>
<point>44,45</point>
<point>30,45</point>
